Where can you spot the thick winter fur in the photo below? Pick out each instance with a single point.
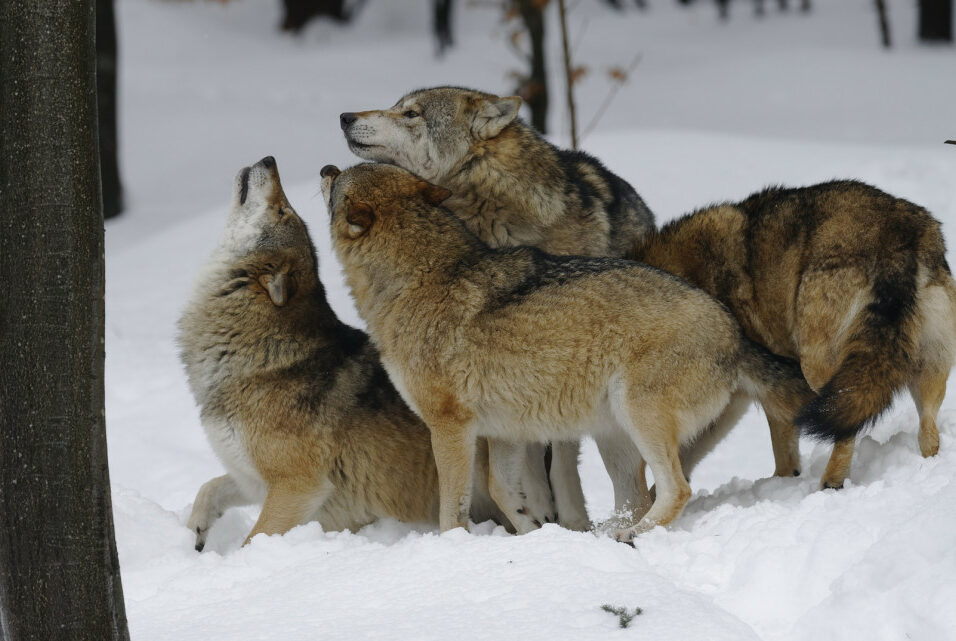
(296, 404)
(511, 188)
(851, 281)
(509, 185)
(521, 346)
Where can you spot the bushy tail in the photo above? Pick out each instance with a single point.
(878, 361)
(775, 381)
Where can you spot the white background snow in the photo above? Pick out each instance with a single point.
(713, 112)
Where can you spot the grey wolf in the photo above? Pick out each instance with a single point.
(849, 280)
(521, 346)
(295, 403)
(511, 188)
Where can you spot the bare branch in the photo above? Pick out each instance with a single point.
(618, 83)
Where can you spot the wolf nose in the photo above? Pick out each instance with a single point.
(268, 162)
(347, 119)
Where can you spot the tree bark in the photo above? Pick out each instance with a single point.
(535, 89)
(936, 20)
(884, 24)
(59, 574)
(441, 25)
(106, 108)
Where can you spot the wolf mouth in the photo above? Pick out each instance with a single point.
(244, 185)
(361, 145)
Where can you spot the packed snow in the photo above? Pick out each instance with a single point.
(712, 112)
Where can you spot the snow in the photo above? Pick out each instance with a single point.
(712, 112)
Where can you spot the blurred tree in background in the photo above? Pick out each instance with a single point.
(936, 20)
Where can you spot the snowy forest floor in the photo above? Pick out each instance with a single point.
(712, 112)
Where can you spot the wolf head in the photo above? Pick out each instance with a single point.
(266, 245)
(430, 131)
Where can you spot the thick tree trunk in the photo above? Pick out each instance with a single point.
(59, 575)
(535, 89)
(106, 108)
(936, 20)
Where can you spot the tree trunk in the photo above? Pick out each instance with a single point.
(106, 108)
(936, 20)
(59, 575)
(568, 74)
(441, 11)
(884, 24)
(535, 89)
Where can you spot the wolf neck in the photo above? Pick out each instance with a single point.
(497, 192)
(439, 255)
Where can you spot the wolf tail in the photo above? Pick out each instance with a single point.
(878, 360)
(775, 381)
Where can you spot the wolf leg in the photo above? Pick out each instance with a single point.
(566, 483)
(625, 466)
(506, 461)
(785, 440)
(656, 434)
(288, 505)
(454, 449)
(214, 497)
(928, 391)
(534, 484)
(838, 467)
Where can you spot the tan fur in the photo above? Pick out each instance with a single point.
(295, 404)
(844, 278)
(511, 188)
(520, 346)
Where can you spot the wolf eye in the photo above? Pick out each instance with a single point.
(411, 114)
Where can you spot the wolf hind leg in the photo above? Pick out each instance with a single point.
(625, 466)
(213, 499)
(566, 483)
(656, 435)
(928, 390)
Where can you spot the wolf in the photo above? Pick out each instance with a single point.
(847, 279)
(511, 188)
(521, 346)
(295, 403)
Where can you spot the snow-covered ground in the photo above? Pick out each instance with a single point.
(713, 111)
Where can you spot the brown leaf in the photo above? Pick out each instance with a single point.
(617, 74)
(516, 37)
(539, 4)
(577, 73)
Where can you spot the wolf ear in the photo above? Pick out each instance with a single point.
(277, 286)
(360, 217)
(494, 115)
(433, 194)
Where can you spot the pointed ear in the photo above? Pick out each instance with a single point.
(360, 217)
(277, 286)
(494, 115)
(433, 194)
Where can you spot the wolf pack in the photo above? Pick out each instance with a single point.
(519, 297)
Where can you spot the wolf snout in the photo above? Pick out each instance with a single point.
(347, 119)
(329, 171)
(268, 162)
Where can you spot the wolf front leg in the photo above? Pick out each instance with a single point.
(454, 447)
(506, 460)
(289, 503)
(214, 497)
(566, 483)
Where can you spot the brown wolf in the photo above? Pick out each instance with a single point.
(850, 280)
(521, 346)
(511, 188)
(295, 403)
